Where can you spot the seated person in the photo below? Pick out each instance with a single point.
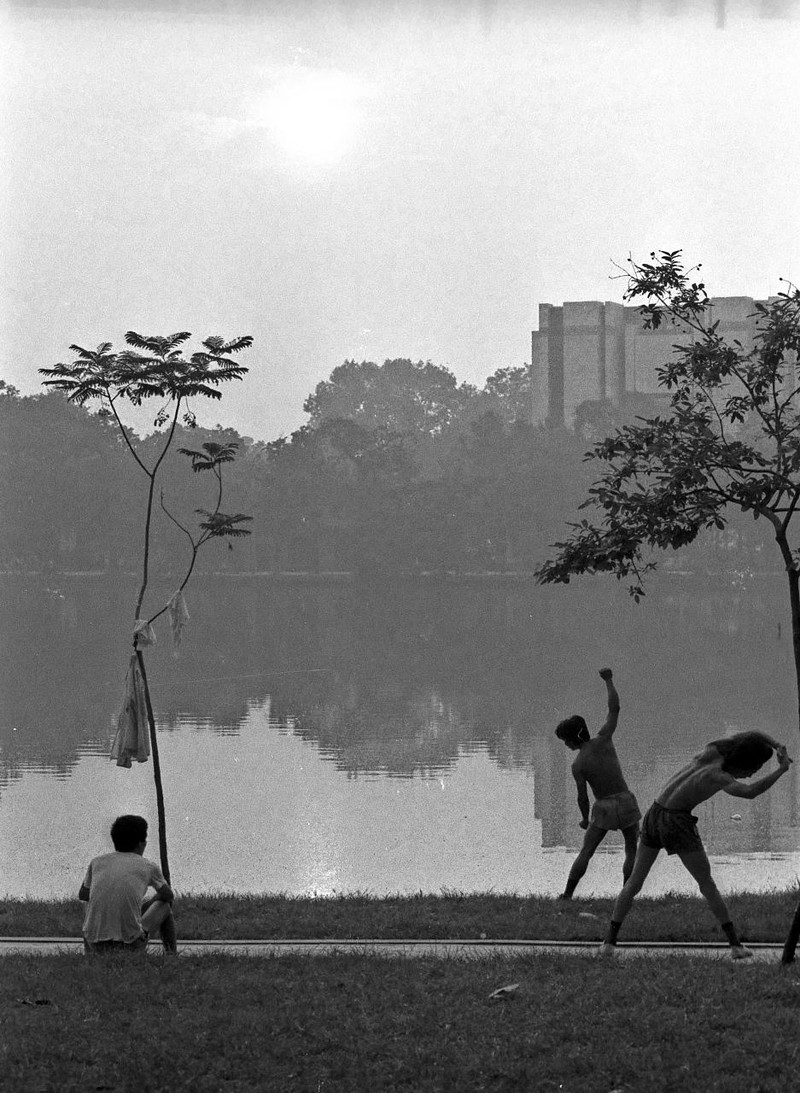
(114, 888)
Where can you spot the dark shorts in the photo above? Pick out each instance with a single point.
(616, 812)
(670, 829)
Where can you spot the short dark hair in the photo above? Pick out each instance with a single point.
(744, 752)
(127, 832)
(572, 730)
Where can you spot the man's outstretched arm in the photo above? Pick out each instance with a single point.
(613, 703)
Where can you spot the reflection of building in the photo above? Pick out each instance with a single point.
(587, 351)
(728, 825)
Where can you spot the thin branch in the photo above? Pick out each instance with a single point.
(168, 441)
(123, 430)
(765, 420)
(196, 545)
(148, 516)
(176, 522)
(790, 511)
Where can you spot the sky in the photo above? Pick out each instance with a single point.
(360, 179)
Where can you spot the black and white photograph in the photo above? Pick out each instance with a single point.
(399, 546)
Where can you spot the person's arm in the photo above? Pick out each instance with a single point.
(755, 789)
(83, 891)
(165, 893)
(613, 704)
(583, 798)
(158, 882)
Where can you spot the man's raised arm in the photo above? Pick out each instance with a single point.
(613, 703)
(754, 789)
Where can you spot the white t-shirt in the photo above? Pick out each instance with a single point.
(117, 883)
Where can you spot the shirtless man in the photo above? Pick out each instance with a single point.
(669, 824)
(597, 765)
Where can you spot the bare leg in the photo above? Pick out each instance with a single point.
(643, 863)
(698, 865)
(158, 918)
(591, 840)
(631, 837)
(645, 859)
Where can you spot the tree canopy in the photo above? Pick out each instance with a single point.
(729, 438)
(400, 396)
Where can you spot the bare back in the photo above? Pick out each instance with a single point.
(598, 763)
(696, 782)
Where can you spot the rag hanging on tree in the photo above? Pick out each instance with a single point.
(178, 617)
(157, 370)
(131, 741)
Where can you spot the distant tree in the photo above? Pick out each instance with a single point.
(156, 368)
(506, 488)
(338, 497)
(596, 418)
(729, 441)
(511, 387)
(400, 396)
(64, 485)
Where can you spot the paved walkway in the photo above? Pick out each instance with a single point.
(460, 949)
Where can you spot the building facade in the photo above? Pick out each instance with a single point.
(590, 351)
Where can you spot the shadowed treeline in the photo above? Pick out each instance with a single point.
(400, 470)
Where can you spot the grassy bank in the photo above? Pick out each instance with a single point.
(760, 917)
(346, 1023)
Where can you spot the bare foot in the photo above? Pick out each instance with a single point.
(740, 952)
(607, 949)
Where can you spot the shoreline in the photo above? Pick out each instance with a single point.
(449, 917)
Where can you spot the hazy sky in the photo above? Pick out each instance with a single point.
(371, 179)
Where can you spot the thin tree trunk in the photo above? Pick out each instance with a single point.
(162, 823)
(794, 599)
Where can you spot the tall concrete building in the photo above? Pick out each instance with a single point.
(587, 350)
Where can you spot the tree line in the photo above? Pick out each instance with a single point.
(400, 469)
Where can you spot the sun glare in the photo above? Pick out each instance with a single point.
(312, 115)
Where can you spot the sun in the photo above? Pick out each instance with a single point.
(312, 115)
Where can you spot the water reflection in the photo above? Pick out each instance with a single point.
(408, 721)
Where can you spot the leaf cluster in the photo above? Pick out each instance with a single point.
(731, 436)
(211, 455)
(154, 367)
(219, 525)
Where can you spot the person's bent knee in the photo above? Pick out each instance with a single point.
(157, 913)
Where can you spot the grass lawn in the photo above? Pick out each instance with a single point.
(758, 916)
(351, 1023)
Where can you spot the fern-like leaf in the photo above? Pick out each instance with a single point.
(157, 343)
(220, 525)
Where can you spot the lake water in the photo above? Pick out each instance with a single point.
(321, 738)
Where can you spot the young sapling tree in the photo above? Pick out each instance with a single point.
(156, 367)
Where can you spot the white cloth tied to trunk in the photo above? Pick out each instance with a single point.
(132, 740)
(178, 617)
(143, 634)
